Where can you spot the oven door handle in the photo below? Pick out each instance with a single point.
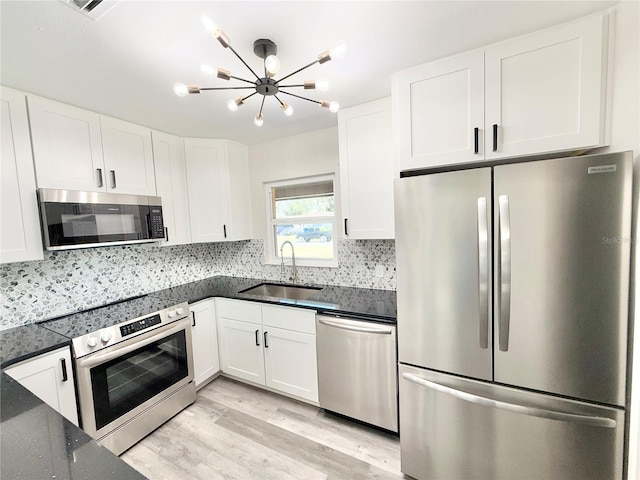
(92, 360)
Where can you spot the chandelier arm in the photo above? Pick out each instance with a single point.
(249, 96)
(226, 88)
(290, 86)
(245, 63)
(243, 80)
(299, 96)
(299, 70)
(262, 105)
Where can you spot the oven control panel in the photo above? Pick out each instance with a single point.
(134, 327)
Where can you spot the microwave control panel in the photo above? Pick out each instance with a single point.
(156, 223)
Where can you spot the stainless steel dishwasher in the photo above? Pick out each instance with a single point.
(357, 369)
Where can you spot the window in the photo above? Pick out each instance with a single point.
(302, 212)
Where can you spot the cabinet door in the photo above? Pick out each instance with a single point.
(128, 157)
(545, 91)
(205, 162)
(50, 378)
(438, 107)
(67, 146)
(205, 341)
(171, 186)
(241, 350)
(20, 238)
(239, 195)
(367, 170)
(290, 362)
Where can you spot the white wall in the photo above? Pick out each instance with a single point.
(313, 153)
(625, 135)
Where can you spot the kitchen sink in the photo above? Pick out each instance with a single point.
(293, 292)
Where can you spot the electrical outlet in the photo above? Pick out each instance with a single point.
(379, 271)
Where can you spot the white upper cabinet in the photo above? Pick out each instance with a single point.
(219, 199)
(540, 93)
(440, 111)
(75, 149)
(67, 146)
(545, 92)
(128, 157)
(171, 186)
(20, 238)
(367, 170)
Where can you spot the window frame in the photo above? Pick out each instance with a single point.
(271, 257)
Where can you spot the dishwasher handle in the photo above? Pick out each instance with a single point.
(353, 328)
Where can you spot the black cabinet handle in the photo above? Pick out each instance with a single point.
(100, 182)
(113, 178)
(346, 230)
(193, 321)
(266, 345)
(224, 230)
(495, 137)
(476, 147)
(166, 233)
(257, 341)
(63, 366)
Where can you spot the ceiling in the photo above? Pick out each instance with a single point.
(125, 64)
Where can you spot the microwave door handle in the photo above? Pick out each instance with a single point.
(141, 341)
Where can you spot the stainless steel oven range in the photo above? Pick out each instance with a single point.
(134, 367)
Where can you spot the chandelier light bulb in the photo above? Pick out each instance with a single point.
(209, 24)
(258, 120)
(322, 85)
(334, 107)
(233, 105)
(338, 52)
(287, 109)
(180, 89)
(272, 64)
(208, 69)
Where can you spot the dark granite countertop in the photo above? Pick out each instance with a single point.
(377, 305)
(21, 343)
(36, 442)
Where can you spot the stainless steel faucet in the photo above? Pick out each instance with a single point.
(294, 269)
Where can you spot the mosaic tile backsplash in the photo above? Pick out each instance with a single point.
(74, 280)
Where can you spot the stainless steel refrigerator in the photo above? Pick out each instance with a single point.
(513, 307)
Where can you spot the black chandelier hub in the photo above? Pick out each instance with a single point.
(267, 86)
(264, 47)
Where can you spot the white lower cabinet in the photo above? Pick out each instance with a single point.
(241, 350)
(269, 345)
(204, 336)
(50, 378)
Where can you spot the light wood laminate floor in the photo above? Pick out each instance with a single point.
(236, 431)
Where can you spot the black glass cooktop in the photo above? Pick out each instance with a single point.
(82, 323)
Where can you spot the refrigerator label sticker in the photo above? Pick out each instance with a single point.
(602, 169)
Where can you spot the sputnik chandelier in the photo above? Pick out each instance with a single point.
(266, 85)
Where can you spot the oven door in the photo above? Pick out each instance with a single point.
(120, 382)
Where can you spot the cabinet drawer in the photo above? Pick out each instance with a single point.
(239, 310)
(295, 319)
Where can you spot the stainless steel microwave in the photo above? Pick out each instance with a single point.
(74, 219)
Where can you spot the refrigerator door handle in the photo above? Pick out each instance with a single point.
(483, 272)
(513, 407)
(504, 241)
